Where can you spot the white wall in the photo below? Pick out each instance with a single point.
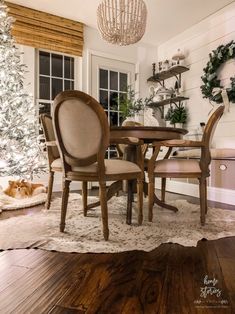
(197, 42)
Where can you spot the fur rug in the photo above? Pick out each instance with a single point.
(84, 234)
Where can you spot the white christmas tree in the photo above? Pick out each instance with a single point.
(21, 153)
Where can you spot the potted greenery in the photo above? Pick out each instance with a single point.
(179, 116)
(168, 116)
(130, 106)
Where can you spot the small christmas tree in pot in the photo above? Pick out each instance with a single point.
(168, 116)
(21, 153)
(179, 116)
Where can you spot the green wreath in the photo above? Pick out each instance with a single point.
(219, 56)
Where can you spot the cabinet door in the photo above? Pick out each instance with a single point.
(223, 173)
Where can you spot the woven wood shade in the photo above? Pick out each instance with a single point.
(43, 30)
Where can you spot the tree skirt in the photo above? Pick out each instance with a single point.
(84, 234)
(10, 203)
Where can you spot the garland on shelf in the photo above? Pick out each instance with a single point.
(212, 88)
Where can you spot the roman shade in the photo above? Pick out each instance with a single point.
(43, 30)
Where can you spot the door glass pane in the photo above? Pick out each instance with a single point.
(57, 87)
(57, 65)
(44, 63)
(113, 80)
(113, 152)
(44, 87)
(104, 98)
(123, 82)
(103, 78)
(113, 101)
(113, 118)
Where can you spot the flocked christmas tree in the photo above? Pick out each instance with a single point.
(21, 153)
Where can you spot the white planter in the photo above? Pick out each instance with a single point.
(179, 125)
(168, 124)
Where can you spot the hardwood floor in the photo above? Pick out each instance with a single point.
(171, 279)
(167, 280)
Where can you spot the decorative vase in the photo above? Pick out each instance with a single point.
(139, 117)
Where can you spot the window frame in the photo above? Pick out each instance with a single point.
(77, 75)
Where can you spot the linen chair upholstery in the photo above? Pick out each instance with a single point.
(83, 135)
(178, 168)
(53, 155)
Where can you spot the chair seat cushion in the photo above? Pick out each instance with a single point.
(112, 167)
(56, 163)
(177, 166)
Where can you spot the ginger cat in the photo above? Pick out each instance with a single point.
(21, 189)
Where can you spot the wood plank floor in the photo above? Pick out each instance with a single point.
(172, 279)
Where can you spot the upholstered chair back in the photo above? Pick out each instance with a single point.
(81, 128)
(47, 125)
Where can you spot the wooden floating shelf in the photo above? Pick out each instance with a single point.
(173, 71)
(167, 101)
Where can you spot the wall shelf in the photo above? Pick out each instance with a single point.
(167, 101)
(172, 72)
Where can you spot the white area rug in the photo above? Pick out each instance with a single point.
(84, 234)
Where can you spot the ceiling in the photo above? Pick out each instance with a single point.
(166, 18)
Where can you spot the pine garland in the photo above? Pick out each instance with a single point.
(219, 56)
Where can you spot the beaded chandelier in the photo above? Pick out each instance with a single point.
(122, 22)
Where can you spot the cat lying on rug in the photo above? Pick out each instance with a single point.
(22, 189)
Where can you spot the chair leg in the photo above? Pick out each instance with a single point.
(163, 189)
(206, 198)
(84, 197)
(140, 200)
(65, 196)
(104, 209)
(151, 187)
(202, 187)
(50, 187)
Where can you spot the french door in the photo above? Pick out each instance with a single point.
(109, 81)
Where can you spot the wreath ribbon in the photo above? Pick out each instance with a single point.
(224, 94)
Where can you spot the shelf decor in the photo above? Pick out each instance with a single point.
(179, 115)
(178, 56)
(212, 88)
(122, 22)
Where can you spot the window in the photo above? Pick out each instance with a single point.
(56, 74)
(112, 86)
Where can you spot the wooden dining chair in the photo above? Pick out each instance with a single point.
(190, 168)
(53, 155)
(83, 135)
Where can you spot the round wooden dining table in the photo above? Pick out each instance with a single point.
(148, 134)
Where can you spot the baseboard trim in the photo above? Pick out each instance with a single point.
(213, 194)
